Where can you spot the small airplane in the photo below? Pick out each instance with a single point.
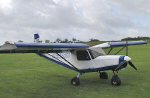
(78, 57)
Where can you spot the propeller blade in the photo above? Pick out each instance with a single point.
(131, 64)
(123, 62)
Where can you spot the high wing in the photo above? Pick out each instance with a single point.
(99, 48)
(118, 44)
(21, 47)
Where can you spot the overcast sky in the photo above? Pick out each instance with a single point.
(80, 19)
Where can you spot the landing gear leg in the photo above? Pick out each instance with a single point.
(115, 81)
(103, 75)
(75, 81)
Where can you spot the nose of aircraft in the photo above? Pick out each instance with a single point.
(126, 58)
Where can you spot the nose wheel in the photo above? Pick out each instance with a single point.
(115, 80)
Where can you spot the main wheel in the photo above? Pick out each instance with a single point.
(103, 75)
(75, 81)
(115, 80)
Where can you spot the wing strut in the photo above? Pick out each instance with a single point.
(120, 50)
(109, 51)
(68, 62)
(126, 47)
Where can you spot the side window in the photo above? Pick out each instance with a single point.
(82, 55)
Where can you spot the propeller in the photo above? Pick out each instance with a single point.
(131, 64)
(123, 62)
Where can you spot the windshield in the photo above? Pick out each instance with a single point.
(95, 54)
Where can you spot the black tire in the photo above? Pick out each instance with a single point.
(75, 81)
(115, 80)
(103, 75)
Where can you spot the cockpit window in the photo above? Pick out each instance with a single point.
(82, 55)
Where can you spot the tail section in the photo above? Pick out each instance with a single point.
(37, 38)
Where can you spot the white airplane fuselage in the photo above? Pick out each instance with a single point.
(100, 63)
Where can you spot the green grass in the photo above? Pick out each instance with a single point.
(30, 76)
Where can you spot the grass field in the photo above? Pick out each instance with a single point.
(30, 76)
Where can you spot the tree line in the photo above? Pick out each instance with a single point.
(74, 40)
(136, 38)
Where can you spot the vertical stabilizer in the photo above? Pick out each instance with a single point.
(37, 38)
